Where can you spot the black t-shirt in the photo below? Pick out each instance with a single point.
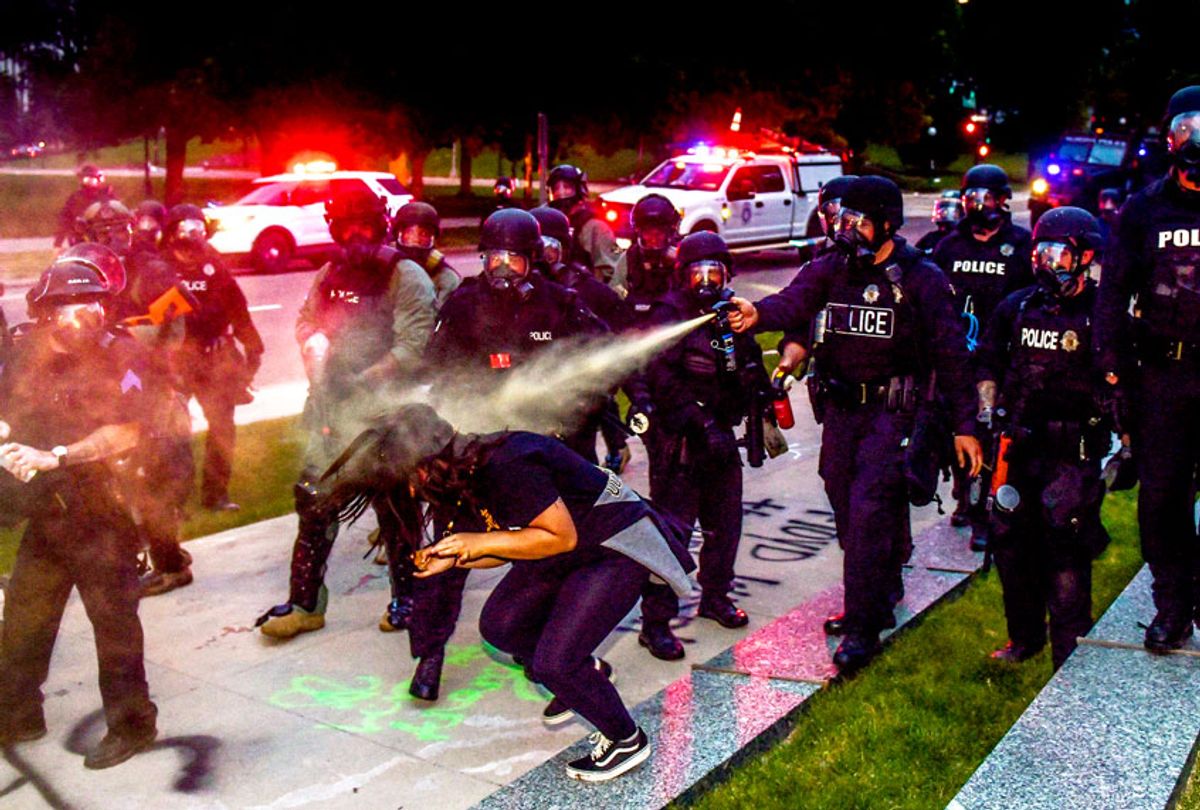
(528, 472)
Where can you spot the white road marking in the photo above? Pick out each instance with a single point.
(265, 307)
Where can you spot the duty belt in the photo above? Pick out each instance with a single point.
(854, 395)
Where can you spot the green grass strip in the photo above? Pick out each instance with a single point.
(911, 729)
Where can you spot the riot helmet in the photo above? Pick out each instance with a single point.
(68, 298)
(829, 201)
(357, 221)
(568, 187)
(100, 258)
(948, 210)
(655, 220)
(556, 235)
(417, 226)
(872, 210)
(703, 267)
(509, 241)
(90, 177)
(1065, 241)
(108, 222)
(1182, 127)
(503, 188)
(1109, 203)
(985, 195)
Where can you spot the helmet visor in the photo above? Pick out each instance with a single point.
(1184, 130)
(653, 237)
(505, 264)
(948, 211)
(1054, 257)
(562, 189)
(193, 230)
(551, 250)
(850, 220)
(91, 180)
(147, 224)
(81, 317)
(416, 236)
(980, 199)
(706, 273)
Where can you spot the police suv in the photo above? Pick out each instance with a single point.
(284, 216)
(754, 200)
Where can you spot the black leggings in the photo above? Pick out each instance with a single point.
(555, 618)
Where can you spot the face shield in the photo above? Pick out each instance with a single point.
(507, 271)
(116, 235)
(77, 324)
(194, 231)
(947, 212)
(147, 224)
(1058, 268)
(854, 235)
(705, 280)
(1183, 145)
(829, 215)
(417, 236)
(983, 208)
(551, 251)
(91, 181)
(654, 239)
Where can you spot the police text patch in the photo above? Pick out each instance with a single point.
(852, 319)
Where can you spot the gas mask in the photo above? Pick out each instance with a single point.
(829, 215)
(564, 196)
(855, 237)
(984, 209)
(189, 237)
(77, 325)
(146, 231)
(119, 237)
(1183, 144)
(358, 238)
(1059, 268)
(705, 281)
(508, 272)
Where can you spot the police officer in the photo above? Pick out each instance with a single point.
(148, 220)
(147, 302)
(210, 364)
(593, 244)
(1108, 203)
(986, 257)
(92, 189)
(108, 223)
(947, 213)
(649, 263)
(493, 322)
(829, 204)
(73, 400)
(884, 326)
(1153, 258)
(415, 231)
(603, 301)
(361, 331)
(1036, 369)
(700, 391)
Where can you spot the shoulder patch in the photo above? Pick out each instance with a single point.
(130, 381)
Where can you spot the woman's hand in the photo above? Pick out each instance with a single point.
(432, 566)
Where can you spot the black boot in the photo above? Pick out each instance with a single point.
(428, 677)
(660, 641)
(855, 652)
(1167, 633)
(835, 625)
(721, 609)
(979, 538)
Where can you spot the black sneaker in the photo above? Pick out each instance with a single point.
(556, 712)
(609, 760)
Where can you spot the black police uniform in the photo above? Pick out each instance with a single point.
(210, 365)
(80, 533)
(876, 331)
(368, 310)
(647, 280)
(491, 331)
(149, 304)
(695, 468)
(1038, 350)
(931, 239)
(1154, 256)
(982, 275)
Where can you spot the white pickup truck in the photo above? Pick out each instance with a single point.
(755, 201)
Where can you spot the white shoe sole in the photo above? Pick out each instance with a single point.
(569, 714)
(604, 776)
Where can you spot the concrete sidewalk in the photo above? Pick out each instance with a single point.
(325, 719)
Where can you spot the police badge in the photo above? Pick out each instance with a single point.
(1070, 341)
(1006, 249)
(209, 270)
(871, 294)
